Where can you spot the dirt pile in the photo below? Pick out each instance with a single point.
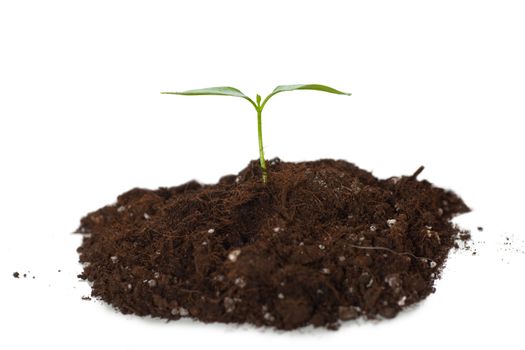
(321, 242)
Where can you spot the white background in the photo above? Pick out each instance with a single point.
(439, 83)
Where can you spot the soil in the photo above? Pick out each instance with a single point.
(322, 242)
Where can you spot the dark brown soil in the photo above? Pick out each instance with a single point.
(322, 242)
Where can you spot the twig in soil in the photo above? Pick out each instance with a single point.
(418, 171)
(389, 250)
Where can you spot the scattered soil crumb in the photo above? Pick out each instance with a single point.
(465, 236)
(512, 244)
(348, 246)
(86, 297)
(16, 275)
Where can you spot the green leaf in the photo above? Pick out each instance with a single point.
(218, 90)
(317, 87)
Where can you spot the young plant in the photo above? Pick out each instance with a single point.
(230, 91)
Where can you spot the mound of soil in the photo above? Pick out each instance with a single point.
(321, 242)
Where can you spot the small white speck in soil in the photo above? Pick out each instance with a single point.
(219, 278)
(234, 254)
(240, 282)
(391, 222)
(268, 317)
(229, 304)
(183, 311)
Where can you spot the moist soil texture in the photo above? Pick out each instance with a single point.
(322, 242)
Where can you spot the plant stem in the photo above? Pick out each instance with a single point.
(261, 148)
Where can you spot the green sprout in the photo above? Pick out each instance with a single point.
(230, 91)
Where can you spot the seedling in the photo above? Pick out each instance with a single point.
(230, 91)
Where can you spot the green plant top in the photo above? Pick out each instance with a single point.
(258, 105)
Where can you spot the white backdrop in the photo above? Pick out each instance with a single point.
(81, 120)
